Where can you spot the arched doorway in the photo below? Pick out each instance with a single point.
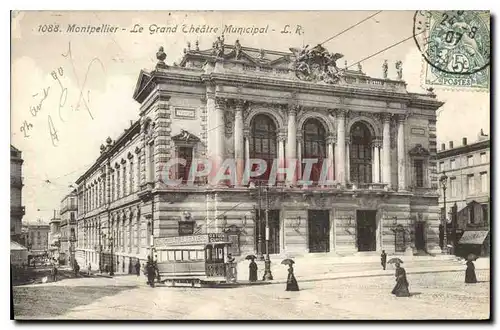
(263, 143)
(314, 146)
(360, 154)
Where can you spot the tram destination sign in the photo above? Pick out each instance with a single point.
(190, 239)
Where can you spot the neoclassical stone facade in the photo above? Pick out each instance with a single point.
(378, 142)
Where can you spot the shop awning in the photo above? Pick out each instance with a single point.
(473, 237)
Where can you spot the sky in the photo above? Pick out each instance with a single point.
(101, 71)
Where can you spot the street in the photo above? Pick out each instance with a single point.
(441, 295)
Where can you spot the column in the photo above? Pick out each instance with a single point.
(238, 141)
(291, 155)
(376, 161)
(386, 150)
(348, 159)
(299, 157)
(401, 154)
(246, 134)
(373, 161)
(330, 142)
(340, 162)
(219, 132)
(281, 156)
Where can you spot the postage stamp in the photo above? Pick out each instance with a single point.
(455, 46)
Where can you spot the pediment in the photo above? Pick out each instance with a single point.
(419, 151)
(142, 81)
(186, 137)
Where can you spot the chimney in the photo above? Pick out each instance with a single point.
(451, 144)
(464, 141)
(443, 146)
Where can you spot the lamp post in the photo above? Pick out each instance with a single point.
(443, 180)
(259, 229)
(268, 276)
(111, 272)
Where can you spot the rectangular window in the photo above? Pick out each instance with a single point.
(200, 255)
(418, 165)
(470, 184)
(151, 163)
(113, 186)
(124, 183)
(185, 255)
(453, 187)
(453, 164)
(118, 183)
(178, 255)
(470, 160)
(139, 159)
(484, 182)
(441, 166)
(72, 216)
(472, 218)
(484, 160)
(131, 177)
(170, 255)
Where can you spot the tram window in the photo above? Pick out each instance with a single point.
(171, 255)
(200, 255)
(185, 255)
(208, 254)
(178, 255)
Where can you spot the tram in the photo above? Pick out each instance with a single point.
(195, 260)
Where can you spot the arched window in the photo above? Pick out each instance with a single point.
(314, 146)
(360, 154)
(263, 142)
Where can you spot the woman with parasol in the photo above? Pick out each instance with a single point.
(252, 274)
(470, 273)
(291, 282)
(401, 288)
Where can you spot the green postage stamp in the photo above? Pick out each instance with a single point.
(456, 48)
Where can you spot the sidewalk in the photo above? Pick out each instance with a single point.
(326, 271)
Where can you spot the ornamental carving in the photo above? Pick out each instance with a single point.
(228, 123)
(317, 65)
(419, 151)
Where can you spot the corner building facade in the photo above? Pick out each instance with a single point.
(234, 102)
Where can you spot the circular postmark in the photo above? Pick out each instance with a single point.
(453, 42)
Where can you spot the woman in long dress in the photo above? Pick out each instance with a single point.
(470, 273)
(291, 282)
(401, 288)
(252, 271)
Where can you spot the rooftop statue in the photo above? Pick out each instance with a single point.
(317, 64)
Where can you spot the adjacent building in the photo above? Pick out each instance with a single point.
(17, 210)
(467, 169)
(38, 238)
(376, 139)
(55, 236)
(68, 227)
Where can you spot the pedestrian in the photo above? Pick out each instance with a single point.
(252, 274)
(150, 272)
(470, 272)
(401, 288)
(291, 282)
(77, 269)
(54, 273)
(383, 259)
(89, 269)
(138, 267)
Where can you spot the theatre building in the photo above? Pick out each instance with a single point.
(232, 102)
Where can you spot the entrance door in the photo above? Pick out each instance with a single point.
(274, 231)
(420, 236)
(319, 230)
(366, 230)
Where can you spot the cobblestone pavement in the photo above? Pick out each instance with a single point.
(435, 296)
